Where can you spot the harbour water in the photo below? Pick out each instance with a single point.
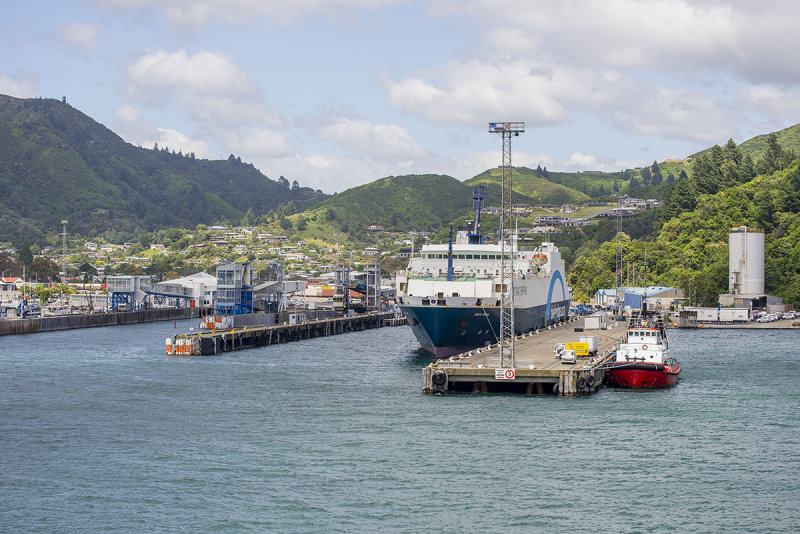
(100, 431)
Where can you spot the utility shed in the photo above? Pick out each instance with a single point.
(596, 321)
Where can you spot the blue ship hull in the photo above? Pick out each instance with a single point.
(444, 331)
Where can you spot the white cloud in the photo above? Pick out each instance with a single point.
(662, 68)
(82, 34)
(19, 87)
(375, 141)
(133, 127)
(582, 161)
(258, 142)
(322, 171)
(680, 114)
(178, 141)
(670, 36)
(477, 91)
(209, 87)
(771, 100)
(196, 13)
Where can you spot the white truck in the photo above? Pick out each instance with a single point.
(592, 342)
(566, 355)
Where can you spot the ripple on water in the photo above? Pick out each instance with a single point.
(103, 432)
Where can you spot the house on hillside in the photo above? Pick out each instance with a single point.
(569, 208)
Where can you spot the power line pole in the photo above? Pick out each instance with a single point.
(64, 246)
(506, 130)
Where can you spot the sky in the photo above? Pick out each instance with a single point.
(339, 93)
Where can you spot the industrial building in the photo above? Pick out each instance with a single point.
(657, 297)
(199, 288)
(746, 272)
(234, 288)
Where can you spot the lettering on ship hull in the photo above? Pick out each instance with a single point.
(558, 311)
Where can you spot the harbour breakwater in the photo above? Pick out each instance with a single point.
(69, 322)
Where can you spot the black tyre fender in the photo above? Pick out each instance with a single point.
(439, 378)
(581, 383)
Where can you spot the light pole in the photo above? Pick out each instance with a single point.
(507, 130)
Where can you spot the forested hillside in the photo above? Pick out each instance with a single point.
(691, 248)
(57, 163)
(399, 203)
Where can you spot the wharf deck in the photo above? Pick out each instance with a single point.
(536, 370)
(230, 339)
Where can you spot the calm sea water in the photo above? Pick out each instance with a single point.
(101, 432)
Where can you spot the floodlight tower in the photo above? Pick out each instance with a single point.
(64, 247)
(507, 130)
(64, 236)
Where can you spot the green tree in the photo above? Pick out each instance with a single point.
(25, 255)
(646, 176)
(46, 270)
(793, 292)
(249, 218)
(772, 157)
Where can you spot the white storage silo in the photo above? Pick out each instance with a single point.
(746, 261)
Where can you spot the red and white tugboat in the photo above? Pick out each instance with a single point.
(642, 360)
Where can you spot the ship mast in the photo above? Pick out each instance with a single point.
(507, 130)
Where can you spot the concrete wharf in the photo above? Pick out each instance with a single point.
(33, 325)
(230, 339)
(537, 370)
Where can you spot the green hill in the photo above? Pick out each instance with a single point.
(401, 203)
(789, 138)
(691, 249)
(529, 188)
(427, 202)
(57, 163)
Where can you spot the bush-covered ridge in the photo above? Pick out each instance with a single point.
(57, 163)
(691, 249)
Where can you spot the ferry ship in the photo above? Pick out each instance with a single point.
(451, 293)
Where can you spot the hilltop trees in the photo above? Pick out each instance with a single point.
(657, 178)
(775, 157)
(646, 176)
(718, 169)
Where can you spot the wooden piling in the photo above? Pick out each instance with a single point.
(207, 343)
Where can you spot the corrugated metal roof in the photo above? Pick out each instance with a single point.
(651, 290)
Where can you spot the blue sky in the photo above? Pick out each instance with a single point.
(338, 93)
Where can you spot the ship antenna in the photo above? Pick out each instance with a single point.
(450, 255)
(477, 195)
(644, 297)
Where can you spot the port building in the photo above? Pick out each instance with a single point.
(746, 271)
